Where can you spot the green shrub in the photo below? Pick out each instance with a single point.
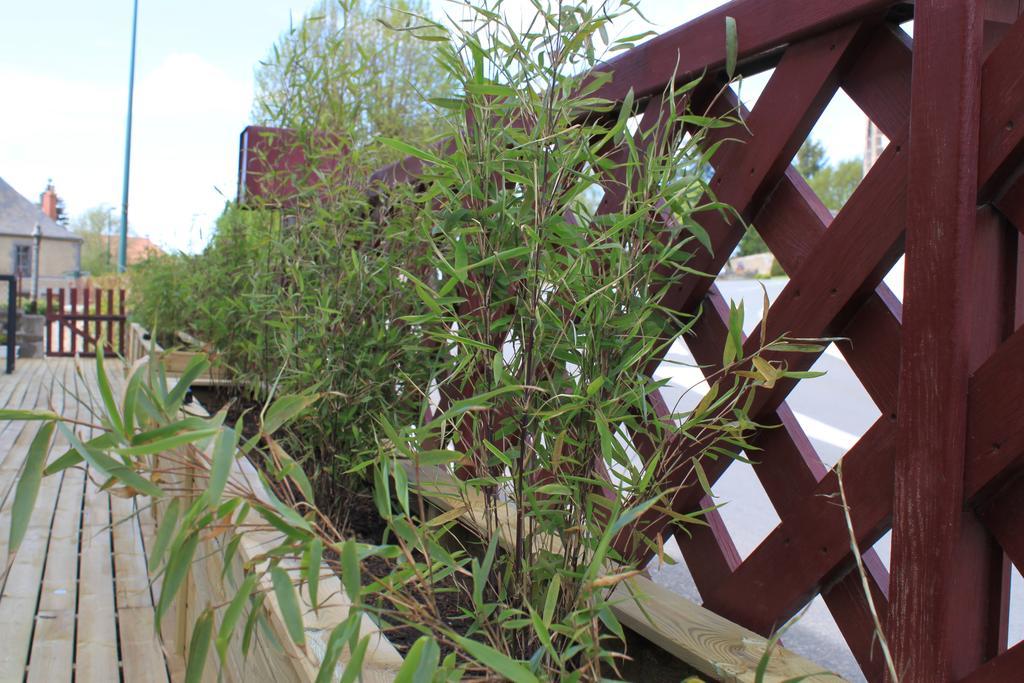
(163, 291)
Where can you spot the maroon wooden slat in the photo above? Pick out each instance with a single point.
(879, 83)
(797, 93)
(1002, 116)
(49, 321)
(98, 332)
(934, 575)
(84, 322)
(1011, 203)
(697, 554)
(60, 323)
(74, 309)
(762, 25)
(993, 312)
(124, 322)
(1005, 667)
(110, 327)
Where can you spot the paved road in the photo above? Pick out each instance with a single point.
(834, 410)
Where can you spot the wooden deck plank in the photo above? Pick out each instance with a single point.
(53, 641)
(52, 651)
(141, 653)
(96, 660)
(96, 644)
(21, 588)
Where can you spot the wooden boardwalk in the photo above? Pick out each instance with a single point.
(77, 603)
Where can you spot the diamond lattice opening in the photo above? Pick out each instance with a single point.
(815, 635)
(834, 410)
(1015, 630)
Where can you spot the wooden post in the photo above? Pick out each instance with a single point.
(124, 320)
(84, 321)
(938, 609)
(49, 321)
(60, 321)
(98, 339)
(110, 324)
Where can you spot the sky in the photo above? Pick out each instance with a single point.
(64, 76)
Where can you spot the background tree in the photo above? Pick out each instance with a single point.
(94, 226)
(835, 183)
(343, 69)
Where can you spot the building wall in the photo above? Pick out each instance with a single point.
(57, 258)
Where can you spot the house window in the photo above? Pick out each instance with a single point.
(23, 260)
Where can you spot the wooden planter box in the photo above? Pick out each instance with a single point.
(210, 582)
(140, 345)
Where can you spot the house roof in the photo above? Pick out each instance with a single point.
(18, 216)
(138, 249)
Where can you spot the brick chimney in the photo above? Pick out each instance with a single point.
(48, 201)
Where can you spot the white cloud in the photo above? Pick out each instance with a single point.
(188, 114)
(188, 85)
(70, 131)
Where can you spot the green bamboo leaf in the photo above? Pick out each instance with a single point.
(354, 666)
(104, 441)
(551, 599)
(411, 151)
(314, 556)
(402, 487)
(420, 662)
(28, 485)
(288, 600)
(177, 568)
(28, 415)
(168, 444)
(113, 413)
(491, 89)
(447, 103)
(350, 574)
(222, 458)
(110, 467)
(131, 394)
(285, 409)
(199, 647)
(232, 614)
(430, 458)
(731, 46)
(340, 635)
(168, 523)
(810, 374)
(197, 365)
(250, 622)
(497, 661)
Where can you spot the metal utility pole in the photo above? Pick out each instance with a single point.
(122, 251)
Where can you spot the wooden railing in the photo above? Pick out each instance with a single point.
(938, 467)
